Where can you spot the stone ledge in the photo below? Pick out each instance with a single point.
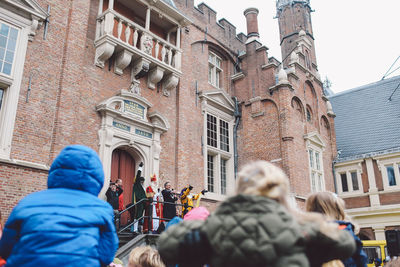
(25, 164)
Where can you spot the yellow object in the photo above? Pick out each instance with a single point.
(375, 249)
(187, 201)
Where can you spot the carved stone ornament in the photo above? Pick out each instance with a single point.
(170, 82)
(156, 150)
(122, 60)
(103, 53)
(155, 76)
(147, 44)
(139, 69)
(135, 88)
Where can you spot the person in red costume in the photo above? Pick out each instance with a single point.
(154, 195)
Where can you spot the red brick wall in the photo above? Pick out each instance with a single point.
(364, 177)
(389, 198)
(378, 176)
(16, 183)
(357, 202)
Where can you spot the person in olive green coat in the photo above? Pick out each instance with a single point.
(138, 194)
(256, 228)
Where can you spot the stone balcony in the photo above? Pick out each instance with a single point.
(136, 46)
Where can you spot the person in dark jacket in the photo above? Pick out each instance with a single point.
(113, 196)
(257, 227)
(332, 207)
(67, 224)
(138, 194)
(169, 210)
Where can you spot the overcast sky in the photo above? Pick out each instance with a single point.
(356, 40)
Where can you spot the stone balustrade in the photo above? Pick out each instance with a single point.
(131, 43)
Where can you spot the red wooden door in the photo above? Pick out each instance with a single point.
(123, 167)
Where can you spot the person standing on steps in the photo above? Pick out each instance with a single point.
(138, 194)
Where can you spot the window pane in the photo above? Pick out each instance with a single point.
(7, 68)
(11, 44)
(8, 38)
(4, 29)
(223, 176)
(354, 180)
(311, 154)
(210, 71)
(211, 58)
(390, 174)
(13, 34)
(317, 160)
(313, 183)
(345, 187)
(1, 97)
(308, 115)
(3, 41)
(210, 173)
(218, 62)
(217, 77)
(320, 184)
(211, 130)
(224, 135)
(9, 57)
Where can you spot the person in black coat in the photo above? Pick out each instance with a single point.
(112, 196)
(169, 210)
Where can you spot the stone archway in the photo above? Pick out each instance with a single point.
(126, 123)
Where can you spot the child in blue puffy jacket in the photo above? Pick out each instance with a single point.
(67, 224)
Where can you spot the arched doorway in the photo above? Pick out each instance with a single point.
(123, 167)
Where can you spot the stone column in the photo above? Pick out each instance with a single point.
(178, 38)
(148, 19)
(100, 7)
(373, 190)
(379, 232)
(110, 4)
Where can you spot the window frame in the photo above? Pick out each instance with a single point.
(315, 144)
(11, 84)
(213, 69)
(383, 163)
(347, 169)
(218, 103)
(217, 152)
(11, 26)
(316, 174)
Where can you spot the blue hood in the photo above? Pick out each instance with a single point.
(77, 167)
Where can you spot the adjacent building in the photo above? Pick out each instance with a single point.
(367, 169)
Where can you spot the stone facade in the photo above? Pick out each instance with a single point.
(172, 86)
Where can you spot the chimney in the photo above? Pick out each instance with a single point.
(252, 23)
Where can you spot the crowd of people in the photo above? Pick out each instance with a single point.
(68, 225)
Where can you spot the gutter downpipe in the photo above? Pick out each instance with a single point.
(237, 115)
(334, 175)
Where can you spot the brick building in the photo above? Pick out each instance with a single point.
(367, 169)
(164, 83)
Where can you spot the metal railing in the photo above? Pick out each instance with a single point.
(149, 206)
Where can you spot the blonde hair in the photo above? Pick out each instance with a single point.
(328, 204)
(145, 257)
(262, 178)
